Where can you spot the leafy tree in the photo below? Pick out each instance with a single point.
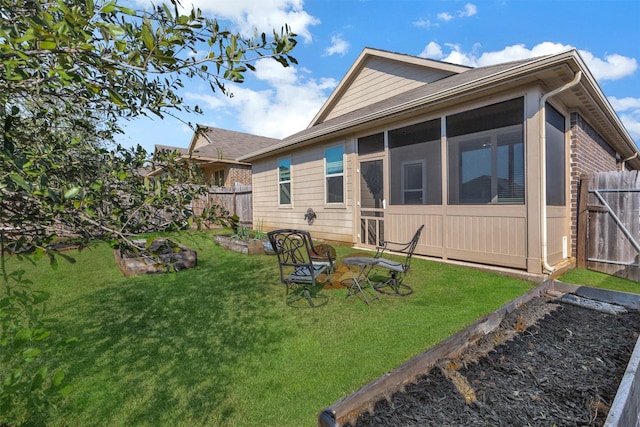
(70, 71)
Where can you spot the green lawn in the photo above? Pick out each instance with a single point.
(216, 345)
(595, 279)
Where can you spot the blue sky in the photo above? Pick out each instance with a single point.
(278, 102)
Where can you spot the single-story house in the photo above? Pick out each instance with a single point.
(217, 152)
(487, 158)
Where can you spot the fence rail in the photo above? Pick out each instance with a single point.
(609, 223)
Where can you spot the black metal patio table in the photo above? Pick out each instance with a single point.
(360, 268)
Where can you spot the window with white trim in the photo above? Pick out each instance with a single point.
(334, 174)
(284, 182)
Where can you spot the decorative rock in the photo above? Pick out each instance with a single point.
(170, 258)
(268, 249)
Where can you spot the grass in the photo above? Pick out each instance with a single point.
(216, 345)
(581, 276)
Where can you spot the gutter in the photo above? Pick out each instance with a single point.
(542, 121)
(477, 84)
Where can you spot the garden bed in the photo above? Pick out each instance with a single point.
(243, 246)
(171, 256)
(537, 361)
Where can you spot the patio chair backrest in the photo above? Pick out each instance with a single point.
(294, 249)
(404, 248)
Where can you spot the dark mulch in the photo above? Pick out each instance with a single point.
(561, 370)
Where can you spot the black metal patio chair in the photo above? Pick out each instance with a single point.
(303, 278)
(394, 285)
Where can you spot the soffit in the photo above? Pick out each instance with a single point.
(548, 72)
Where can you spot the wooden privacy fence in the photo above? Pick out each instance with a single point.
(609, 223)
(236, 199)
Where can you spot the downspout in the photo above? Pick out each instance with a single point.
(543, 167)
(627, 159)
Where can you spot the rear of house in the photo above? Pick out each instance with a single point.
(488, 159)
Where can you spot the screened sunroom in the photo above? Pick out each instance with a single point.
(486, 159)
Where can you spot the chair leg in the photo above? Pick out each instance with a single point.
(304, 297)
(398, 289)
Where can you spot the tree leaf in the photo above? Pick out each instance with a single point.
(19, 180)
(147, 36)
(47, 44)
(71, 193)
(115, 97)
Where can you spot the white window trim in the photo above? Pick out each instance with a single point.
(342, 174)
(290, 181)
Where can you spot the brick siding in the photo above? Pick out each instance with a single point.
(240, 174)
(589, 153)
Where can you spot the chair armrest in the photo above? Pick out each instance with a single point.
(402, 247)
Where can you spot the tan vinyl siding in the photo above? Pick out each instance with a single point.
(557, 228)
(307, 190)
(402, 225)
(381, 79)
(487, 234)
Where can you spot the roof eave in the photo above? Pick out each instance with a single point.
(456, 91)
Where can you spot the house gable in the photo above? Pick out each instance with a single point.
(377, 75)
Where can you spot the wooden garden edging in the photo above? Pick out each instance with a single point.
(350, 407)
(625, 406)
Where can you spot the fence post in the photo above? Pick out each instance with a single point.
(582, 233)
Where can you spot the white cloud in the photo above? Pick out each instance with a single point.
(470, 9)
(624, 104)
(629, 111)
(467, 11)
(425, 23)
(432, 50)
(611, 67)
(445, 16)
(263, 15)
(339, 46)
(285, 107)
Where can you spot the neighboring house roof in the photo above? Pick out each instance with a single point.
(209, 143)
(159, 148)
(550, 71)
(215, 145)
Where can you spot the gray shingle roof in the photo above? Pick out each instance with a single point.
(230, 145)
(423, 91)
(159, 147)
